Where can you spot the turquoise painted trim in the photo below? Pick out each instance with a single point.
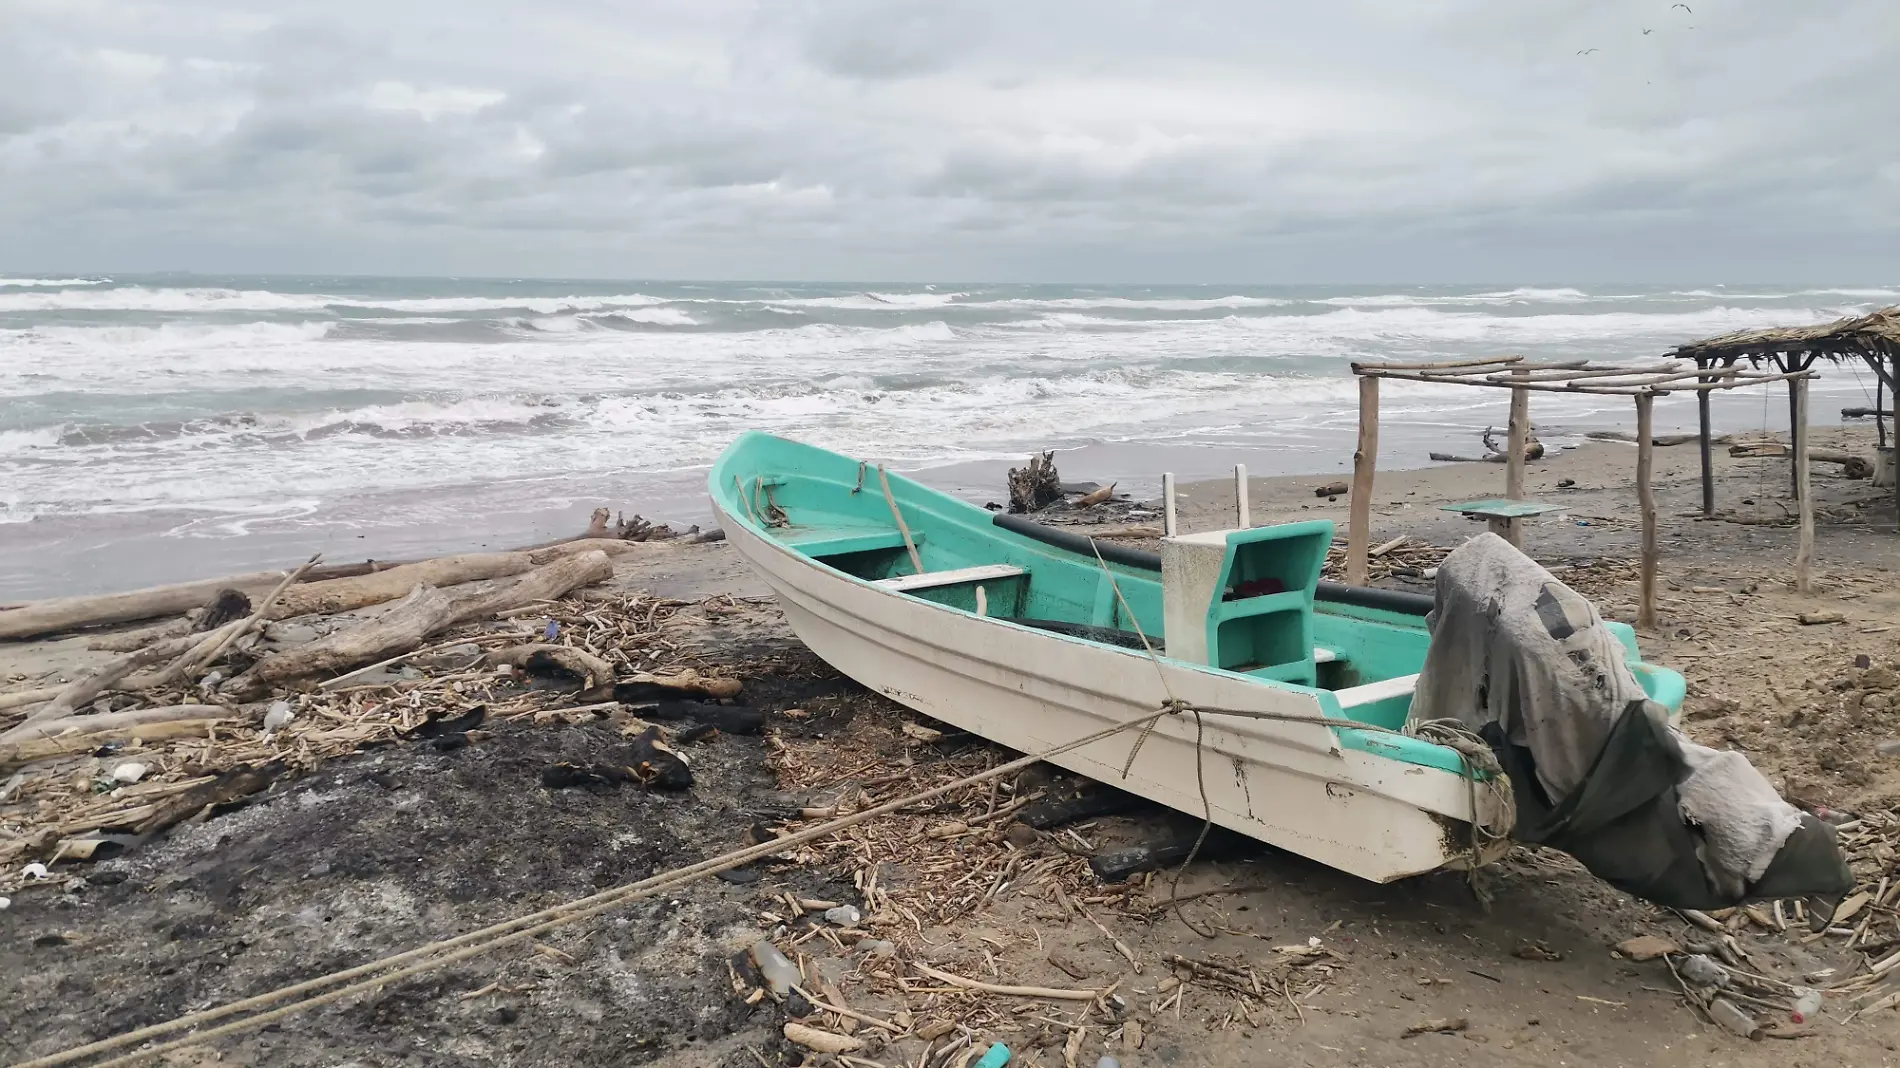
(819, 541)
(1301, 555)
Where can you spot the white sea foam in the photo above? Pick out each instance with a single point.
(159, 397)
(652, 316)
(28, 283)
(208, 299)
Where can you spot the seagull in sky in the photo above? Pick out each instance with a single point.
(1685, 7)
(1586, 51)
(1646, 33)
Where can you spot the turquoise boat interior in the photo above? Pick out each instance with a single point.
(1266, 615)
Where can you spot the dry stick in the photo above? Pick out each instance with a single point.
(903, 528)
(193, 660)
(1571, 374)
(852, 1014)
(1390, 545)
(546, 919)
(1441, 366)
(86, 687)
(331, 684)
(1053, 993)
(28, 697)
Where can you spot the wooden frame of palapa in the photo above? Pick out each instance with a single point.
(1644, 384)
(1873, 338)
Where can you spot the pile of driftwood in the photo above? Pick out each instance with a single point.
(1495, 453)
(1402, 557)
(241, 680)
(1038, 486)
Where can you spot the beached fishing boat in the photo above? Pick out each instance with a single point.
(1033, 637)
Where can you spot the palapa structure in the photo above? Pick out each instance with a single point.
(1873, 338)
(1644, 384)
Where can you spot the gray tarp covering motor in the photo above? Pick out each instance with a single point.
(1596, 768)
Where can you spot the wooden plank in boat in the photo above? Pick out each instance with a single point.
(930, 580)
(1354, 696)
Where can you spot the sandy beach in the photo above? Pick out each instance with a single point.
(365, 853)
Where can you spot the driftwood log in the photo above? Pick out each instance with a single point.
(127, 641)
(1852, 466)
(425, 611)
(71, 613)
(1036, 486)
(342, 595)
(59, 614)
(229, 787)
(689, 685)
(1657, 439)
(1533, 449)
(79, 734)
(81, 691)
(594, 675)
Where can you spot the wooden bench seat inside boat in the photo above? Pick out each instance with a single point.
(931, 580)
(1374, 692)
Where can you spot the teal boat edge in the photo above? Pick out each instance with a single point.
(832, 510)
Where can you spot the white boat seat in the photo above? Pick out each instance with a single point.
(1373, 692)
(931, 580)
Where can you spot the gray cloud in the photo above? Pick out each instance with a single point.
(1368, 139)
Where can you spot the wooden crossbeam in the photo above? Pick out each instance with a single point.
(1652, 385)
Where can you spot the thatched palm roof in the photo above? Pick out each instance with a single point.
(1867, 337)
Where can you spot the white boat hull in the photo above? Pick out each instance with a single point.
(1288, 784)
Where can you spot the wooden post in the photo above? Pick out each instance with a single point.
(1804, 548)
(1241, 505)
(1646, 497)
(1514, 463)
(1795, 429)
(1167, 504)
(1703, 436)
(1364, 459)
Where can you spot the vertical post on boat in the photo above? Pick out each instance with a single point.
(1167, 504)
(1804, 549)
(1703, 441)
(1514, 463)
(1646, 497)
(1365, 459)
(1241, 505)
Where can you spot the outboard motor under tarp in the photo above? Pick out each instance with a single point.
(1596, 768)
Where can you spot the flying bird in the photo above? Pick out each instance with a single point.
(1646, 33)
(1585, 51)
(1685, 7)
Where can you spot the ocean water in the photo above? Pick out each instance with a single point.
(197, 421)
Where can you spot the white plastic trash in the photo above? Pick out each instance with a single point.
(35, 870)
(844, 915)
(280, 713)
(129, 772)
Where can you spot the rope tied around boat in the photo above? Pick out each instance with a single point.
(1476, 762)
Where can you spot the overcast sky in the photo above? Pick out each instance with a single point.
(1033, 140)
